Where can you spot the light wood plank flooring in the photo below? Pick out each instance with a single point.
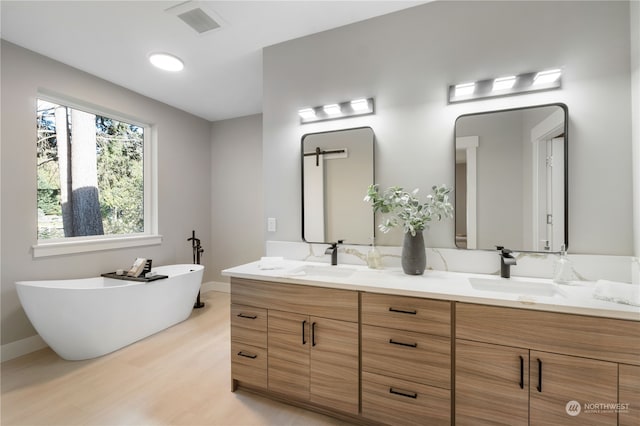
(180, 376)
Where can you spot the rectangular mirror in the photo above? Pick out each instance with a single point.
(511, 179)
(337, 168)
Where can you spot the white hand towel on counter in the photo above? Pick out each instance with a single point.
(272, 262)
(612, 291)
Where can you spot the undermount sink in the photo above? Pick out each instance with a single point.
(515, 286)
(322, 271)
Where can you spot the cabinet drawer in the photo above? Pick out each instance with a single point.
(589, 337)
(419, 357)
(400, 402)
(249, 325)
(407, 313)
(249, 364)
(309, 300)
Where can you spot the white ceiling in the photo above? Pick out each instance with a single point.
(223, 68)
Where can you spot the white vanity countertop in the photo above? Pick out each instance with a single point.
(518, 292)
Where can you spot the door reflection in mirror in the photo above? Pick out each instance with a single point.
(337, 168)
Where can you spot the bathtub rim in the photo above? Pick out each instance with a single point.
(99, 281)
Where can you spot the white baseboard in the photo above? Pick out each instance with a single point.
(21, 347)
(215, 286)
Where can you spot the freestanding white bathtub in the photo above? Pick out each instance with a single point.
(90, 317)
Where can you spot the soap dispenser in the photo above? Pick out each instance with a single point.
(374, 260)
(562, 271)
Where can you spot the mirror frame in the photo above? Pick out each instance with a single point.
(373, 169)
(565, 109)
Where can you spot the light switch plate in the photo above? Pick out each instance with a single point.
(271, 224)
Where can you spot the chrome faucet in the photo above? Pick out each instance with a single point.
(506, 261)
(333, 251)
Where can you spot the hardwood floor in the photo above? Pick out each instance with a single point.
(179, 376)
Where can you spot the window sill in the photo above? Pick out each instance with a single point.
(44, 249)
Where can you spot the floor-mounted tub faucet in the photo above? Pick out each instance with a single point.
(506, 261)
(333, 251)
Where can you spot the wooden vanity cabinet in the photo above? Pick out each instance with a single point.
(556, 380)
(398, 360)
(312, 342)
(516, 366)
(314, 359)
(492, 384)
(249, 345)
(406, 360)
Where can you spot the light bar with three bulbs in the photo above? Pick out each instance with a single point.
(506, 85)
(352, 108)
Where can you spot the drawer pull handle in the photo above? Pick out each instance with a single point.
(241, 315)
(401, 311)
(304, 340)
(413, 395)
(313, 334)
(411, 345)
(247, 355)
(521, 372)
(539, 387)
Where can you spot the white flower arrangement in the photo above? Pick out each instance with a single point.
(407, 209)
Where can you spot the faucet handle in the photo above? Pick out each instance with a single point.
(504, 251)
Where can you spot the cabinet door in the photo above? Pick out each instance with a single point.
(567, 390)
(334, 364)
(492, 384)
(288, 353)
(629, 395)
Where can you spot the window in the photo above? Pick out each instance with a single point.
(93, 173)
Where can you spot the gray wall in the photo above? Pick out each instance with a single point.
(407, 59)
(237, 227)
(184, 178)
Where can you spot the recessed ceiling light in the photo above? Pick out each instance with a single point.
(166, 61)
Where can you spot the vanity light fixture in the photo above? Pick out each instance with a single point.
(166, 61)
(503, 83)
(465, 89)
(332, 109)
(546, 77)
(307, 114)
(505, 86)
(360, 105)
(352, 108)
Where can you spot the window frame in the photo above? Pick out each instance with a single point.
(150, 236)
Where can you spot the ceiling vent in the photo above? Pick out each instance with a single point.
(199, 20)
(197, 16)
